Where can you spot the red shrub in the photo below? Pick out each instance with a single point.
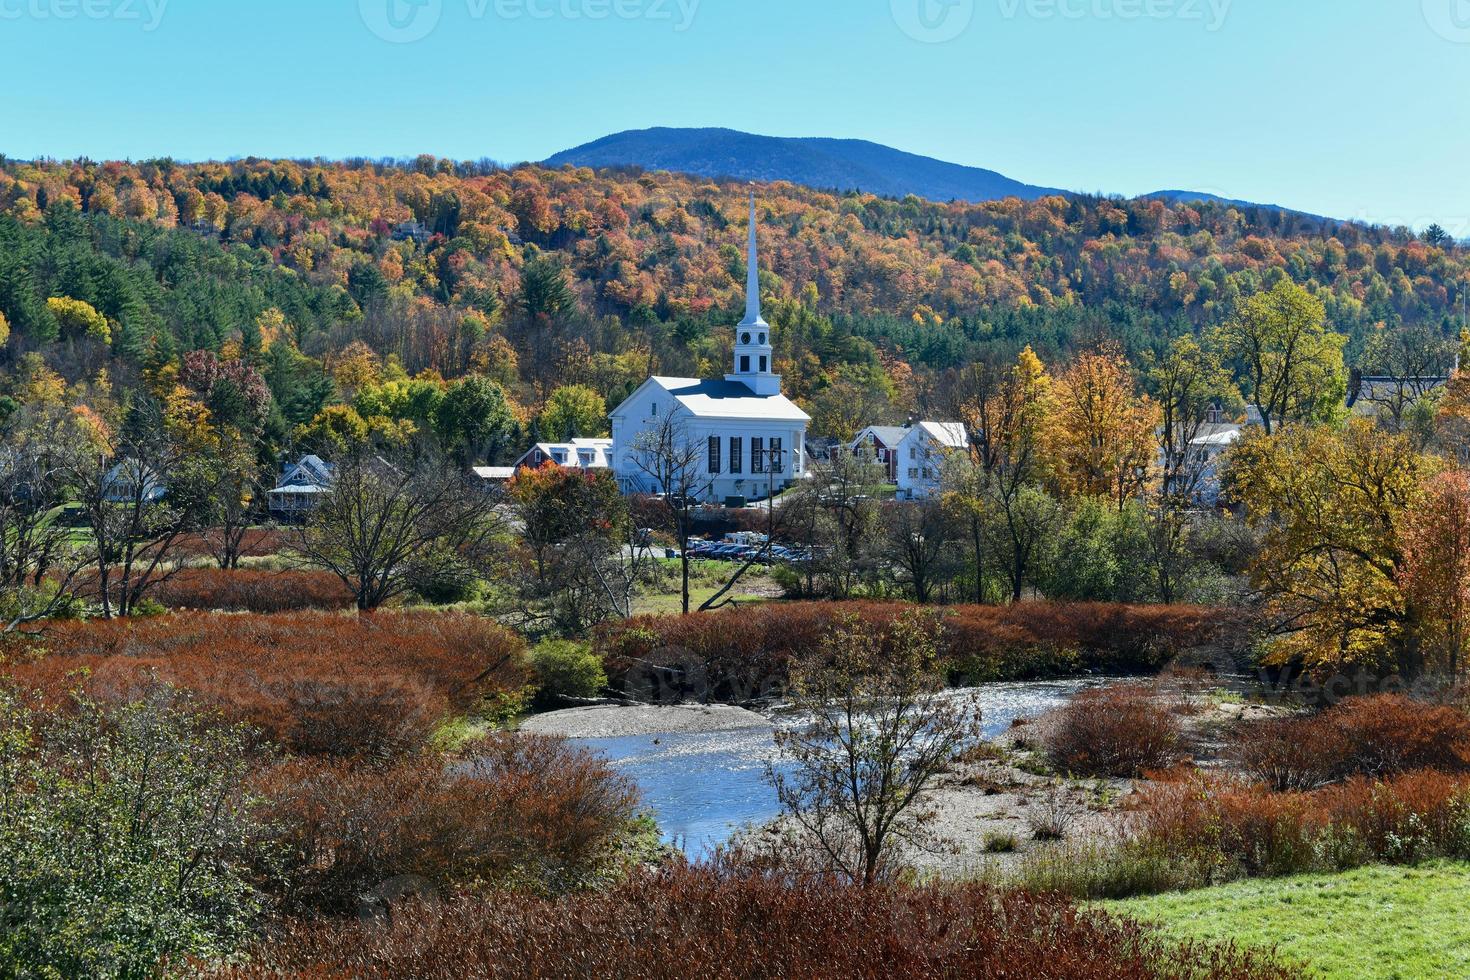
(1289, 753)
(1411, 817)
(509, 811)
(259, 542)
(1121, 730)
(1392, 733)
(699, 922)
(745, 653)
(1221, 825)
(252, 590)
(315, 683)
(1373, 736)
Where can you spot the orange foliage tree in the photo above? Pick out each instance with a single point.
(1099, 436)
(1435, 575)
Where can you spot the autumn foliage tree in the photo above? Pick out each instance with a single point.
(1099, 433)
(1435, 575)
(1288, 358)
(1327, 504)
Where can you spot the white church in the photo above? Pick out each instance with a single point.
(751, 438)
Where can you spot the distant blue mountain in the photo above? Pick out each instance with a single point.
(1186, 197)
(827, 164)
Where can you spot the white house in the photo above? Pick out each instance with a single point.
(921, 453)
(751, 438)
(131, 481)
(302, 485)
(1206, 451)
(575, 454)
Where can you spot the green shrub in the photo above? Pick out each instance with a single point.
(124, 834)
(567, 669)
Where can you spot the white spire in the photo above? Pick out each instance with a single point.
(752, 277)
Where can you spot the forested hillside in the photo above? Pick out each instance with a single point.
(331, 280)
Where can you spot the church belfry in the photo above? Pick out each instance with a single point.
(755, 361)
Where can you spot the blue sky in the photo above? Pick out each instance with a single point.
(1354, 108)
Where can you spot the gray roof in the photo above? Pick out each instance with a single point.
(889, 435)
(1371, 390)
(730, 400)
(950, 435)
(599, 450)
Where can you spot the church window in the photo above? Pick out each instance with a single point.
(777, 464)
(737, 454)
(763, 364)
(745, 365)
(757, 455)
(714, 454)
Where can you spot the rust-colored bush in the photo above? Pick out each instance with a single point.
(1120, 730)
(745, 653)
(1224, 827)
(1411, 817)
(257, 542)
(507, 811)
(315, 683)
(701, 922)
(1373, 736)
(1288, 753)
(252, 590)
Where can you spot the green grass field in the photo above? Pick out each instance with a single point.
(705, 579)
(1381, 922)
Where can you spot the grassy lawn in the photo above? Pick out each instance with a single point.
(1370, 923)
(705, 579)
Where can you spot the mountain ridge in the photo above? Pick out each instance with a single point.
(825, 163)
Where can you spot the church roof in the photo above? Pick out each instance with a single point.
(729, 400)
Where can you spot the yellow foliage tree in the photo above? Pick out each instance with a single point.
(1100, 432)
(1328, 504)
(77, 318)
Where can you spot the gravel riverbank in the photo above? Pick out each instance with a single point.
(613, 721)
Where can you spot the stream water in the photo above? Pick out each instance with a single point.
(703, 787)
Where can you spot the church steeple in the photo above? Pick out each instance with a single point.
(754, 358)
(752, 277)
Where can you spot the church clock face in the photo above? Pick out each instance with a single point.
(763, 338)
(745, 338)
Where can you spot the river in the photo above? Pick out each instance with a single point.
(703, 787)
